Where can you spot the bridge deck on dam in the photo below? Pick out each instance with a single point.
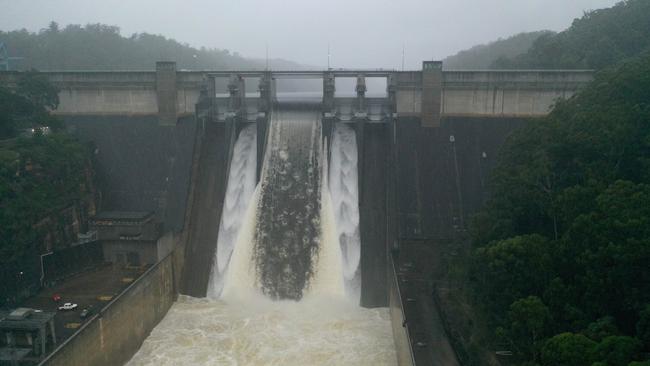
(169, 93)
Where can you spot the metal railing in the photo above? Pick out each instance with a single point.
(396, 283)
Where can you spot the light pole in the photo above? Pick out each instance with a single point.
(42, 269)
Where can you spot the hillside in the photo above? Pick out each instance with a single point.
(483, 56)
(597, 40)
(102, 47)
(562, 248)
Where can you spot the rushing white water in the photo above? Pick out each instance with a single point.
(240, 188)
(344, 190)
(243, 326)
(312, 332)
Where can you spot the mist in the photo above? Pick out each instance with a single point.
(360, 34)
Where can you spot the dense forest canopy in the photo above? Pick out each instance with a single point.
(102, 47)
(42, 171)
(562, 258)
(599, 39)
(484, 56)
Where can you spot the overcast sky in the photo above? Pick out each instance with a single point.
(361, 33)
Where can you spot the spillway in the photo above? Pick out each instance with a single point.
(240, 189)
(284, 287)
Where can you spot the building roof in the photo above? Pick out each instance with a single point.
(123, 215)
(33, 320)
(13, 354)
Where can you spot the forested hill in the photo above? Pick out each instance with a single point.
(102, 47)
(597, 40)
(483, 56)
(562, 250)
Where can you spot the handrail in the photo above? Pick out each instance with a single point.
(405, 323)
(104, 309)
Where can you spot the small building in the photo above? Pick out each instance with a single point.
(25, 333)
(130, 237)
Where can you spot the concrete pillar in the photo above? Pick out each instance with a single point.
(391, 91)
(43, 339)
(51, 322)
(237, 90)
(361, 96)
(211, 90)
(167, 93)
(329, 87)
(431, 93)
(262, 130)
(233, 89)
(266, 93)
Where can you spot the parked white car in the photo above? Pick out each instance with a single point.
(68, 306)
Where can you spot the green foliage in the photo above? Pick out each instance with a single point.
(39, 176)
(601, 329)
(483, 56)
(514, 268)
(569, 218)
(637, 363)
(101, 47)
(568, 349)
(643, 326)
(528, 323)
(599, 39)
(618, 350)
(27, 105)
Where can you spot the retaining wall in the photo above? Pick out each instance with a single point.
(115, 334)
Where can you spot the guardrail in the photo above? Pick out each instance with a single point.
(100, 344)
(397, 301)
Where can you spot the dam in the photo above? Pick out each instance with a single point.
(287, 250)
(214, 153)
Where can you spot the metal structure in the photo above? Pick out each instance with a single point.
(5, 58)
(235, 103)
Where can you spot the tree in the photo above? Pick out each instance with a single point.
(514, 268)
(599, 39)
(529, 320)
(569, 217)
(618, 350)
(568, 349)
(643, 326)
(28, 105)
(102, 47)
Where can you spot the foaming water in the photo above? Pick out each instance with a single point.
(314, 331)
(288, 238)
(344, 191)
(241, 185)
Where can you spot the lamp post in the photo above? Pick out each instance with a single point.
(42, 268)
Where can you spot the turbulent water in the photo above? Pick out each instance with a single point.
(241, 185)
(307, 333)
(344, 190)
(293, 237)
(288, 231)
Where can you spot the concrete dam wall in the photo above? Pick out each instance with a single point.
(422, 170)
(140, 165)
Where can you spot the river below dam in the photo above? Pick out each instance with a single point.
(263, 332)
